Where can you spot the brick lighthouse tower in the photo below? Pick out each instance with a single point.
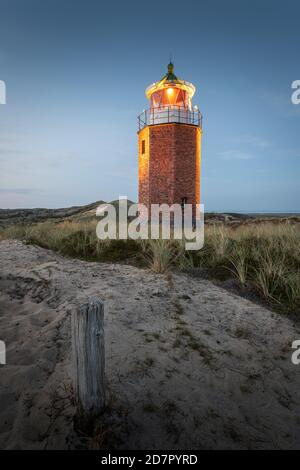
(169, 139)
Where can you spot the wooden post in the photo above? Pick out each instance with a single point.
(89, 359)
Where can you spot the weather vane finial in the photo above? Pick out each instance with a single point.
(170, 65)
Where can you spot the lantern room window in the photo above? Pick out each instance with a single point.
(171, 96)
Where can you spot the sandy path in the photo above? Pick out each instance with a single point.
(189, 365)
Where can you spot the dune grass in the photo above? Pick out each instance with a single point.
(264, 257)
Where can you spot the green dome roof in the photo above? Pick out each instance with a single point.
(170, 76)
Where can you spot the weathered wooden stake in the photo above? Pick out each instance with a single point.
(89, 359)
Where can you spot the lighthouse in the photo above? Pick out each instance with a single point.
(169, 144)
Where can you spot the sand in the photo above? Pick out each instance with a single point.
(188, 364)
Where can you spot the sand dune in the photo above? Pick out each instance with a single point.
(188, 365)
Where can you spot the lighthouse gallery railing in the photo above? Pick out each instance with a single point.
(167, 114)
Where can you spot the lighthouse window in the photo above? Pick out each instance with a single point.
(143, 147)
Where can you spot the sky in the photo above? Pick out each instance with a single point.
(76, 72)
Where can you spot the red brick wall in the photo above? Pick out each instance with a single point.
(170, 168)
(144, 167)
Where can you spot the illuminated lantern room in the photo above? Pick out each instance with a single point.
(170, 101)
(170, 91)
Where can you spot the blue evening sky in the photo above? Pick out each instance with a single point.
(76, 72)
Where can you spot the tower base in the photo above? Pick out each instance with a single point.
(169, 164)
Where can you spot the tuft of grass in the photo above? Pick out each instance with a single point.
(238, 260)
(163, 254)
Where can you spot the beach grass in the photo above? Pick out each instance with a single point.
(263, 257)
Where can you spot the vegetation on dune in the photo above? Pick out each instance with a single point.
(263, 257)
